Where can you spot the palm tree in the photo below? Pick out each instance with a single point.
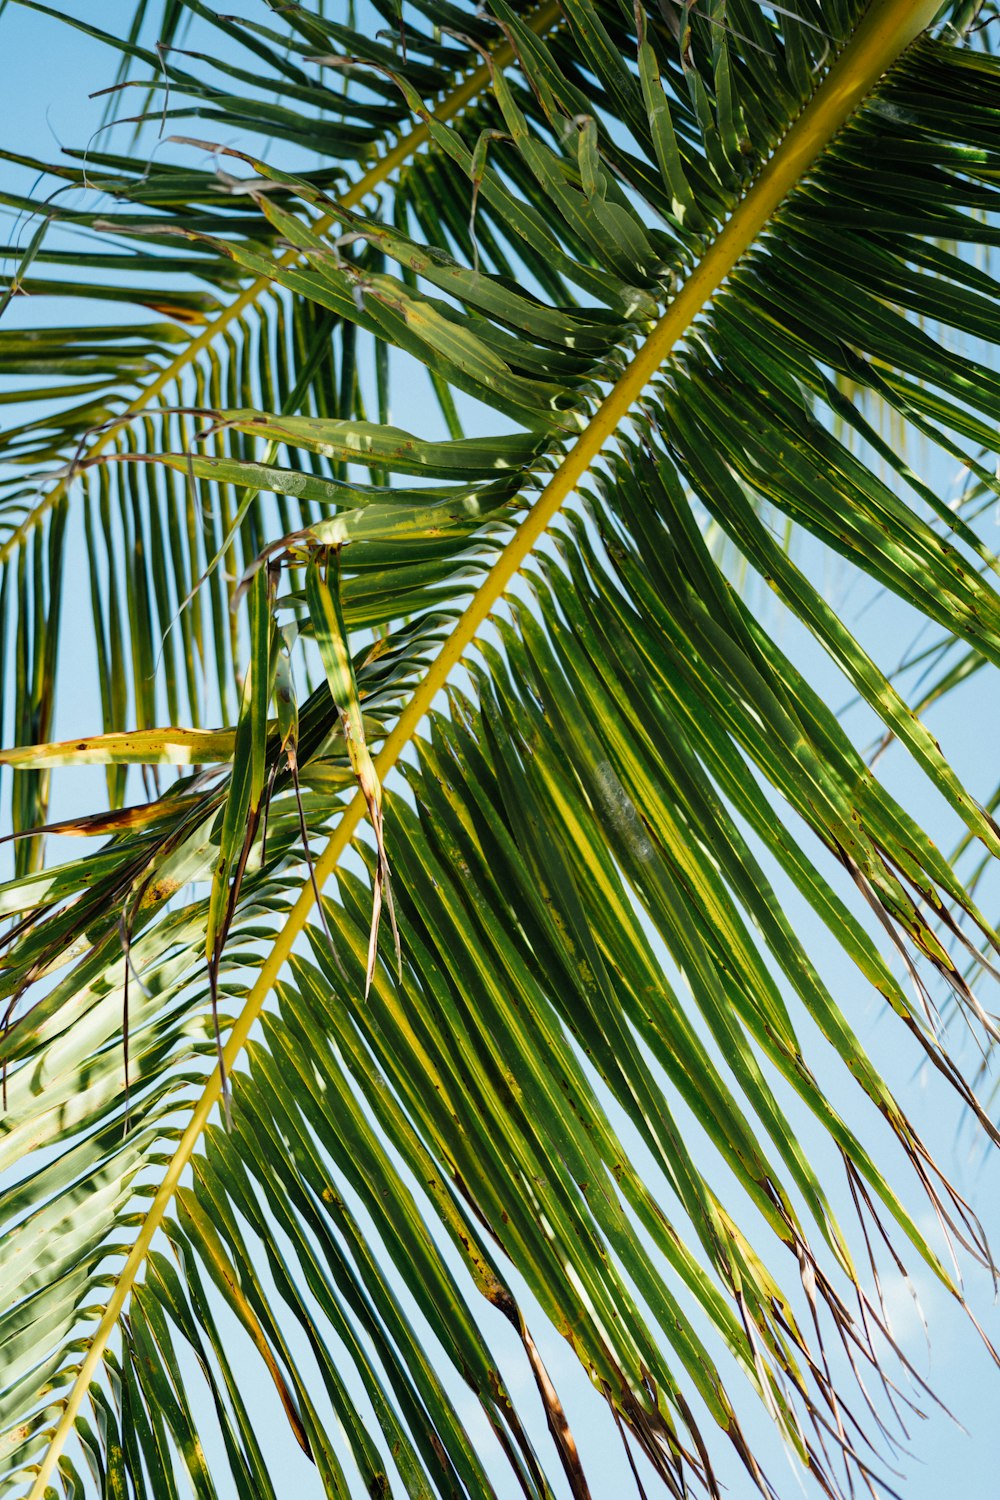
(289, 1058)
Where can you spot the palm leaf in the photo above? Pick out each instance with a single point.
(603, 774)
(247, 350)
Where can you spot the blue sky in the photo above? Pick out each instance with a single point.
(49, 72)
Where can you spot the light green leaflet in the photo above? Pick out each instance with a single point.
(327, 619)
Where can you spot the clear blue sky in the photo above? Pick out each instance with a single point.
(48, 72)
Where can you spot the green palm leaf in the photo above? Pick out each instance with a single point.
(664, 251)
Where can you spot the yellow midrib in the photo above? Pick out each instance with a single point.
(887, 27)
(541, 21)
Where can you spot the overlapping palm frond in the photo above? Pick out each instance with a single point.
(657, 247)
(229, 342)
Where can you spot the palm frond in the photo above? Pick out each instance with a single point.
(254, 349)
(659, 249)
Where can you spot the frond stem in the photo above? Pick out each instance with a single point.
(887, 28)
